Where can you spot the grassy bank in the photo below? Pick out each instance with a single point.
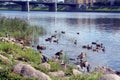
(20, 29)
(14, 53)
(11, 54)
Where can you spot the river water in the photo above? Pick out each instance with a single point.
(92, 27)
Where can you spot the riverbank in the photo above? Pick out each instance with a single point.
(99, 11)
(22, 62)
(12, 54)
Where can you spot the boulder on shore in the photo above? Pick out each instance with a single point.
(104, 70)
(46, 65)
(109, 77)
(76, 72)
(28, 71)
(57, 74)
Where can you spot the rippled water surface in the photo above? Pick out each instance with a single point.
(101, 27)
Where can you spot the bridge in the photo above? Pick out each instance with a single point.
(51, 5)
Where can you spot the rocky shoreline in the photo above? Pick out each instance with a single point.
(26, 70)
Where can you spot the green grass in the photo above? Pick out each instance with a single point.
(105, 9)
(25, 55)
(8, 75)
(3, 8)
(55, 66)
(91, 76)
(20, 29)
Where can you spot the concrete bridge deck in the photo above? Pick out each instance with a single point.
(52, 5)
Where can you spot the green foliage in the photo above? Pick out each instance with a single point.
(66, 58)
(4, 61)
(91, 76)
(19, 29)
(41, 68)
(59, 78)
(68, 71)
(8, 75)
(104, 8)
(26, 55)
(55, 66)
(6, 47)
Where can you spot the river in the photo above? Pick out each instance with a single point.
(84, 27)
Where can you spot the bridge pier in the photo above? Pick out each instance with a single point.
(52, 7)
(24, 6)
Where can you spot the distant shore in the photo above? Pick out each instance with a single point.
(100, 11)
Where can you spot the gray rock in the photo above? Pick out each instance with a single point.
(76, 72)
(46, 65)
(104, 70)
(109, 77)
(28, 71)
(17, 68)
(57, 74)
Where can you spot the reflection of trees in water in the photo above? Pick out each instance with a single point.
(82, 21)
(101, 23)
(108, 24)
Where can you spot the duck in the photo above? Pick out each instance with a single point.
(63, 32)
(56, 41)
(41, 47)
(78, 33)
(75, 42)
(84, 46)
(94, 43)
